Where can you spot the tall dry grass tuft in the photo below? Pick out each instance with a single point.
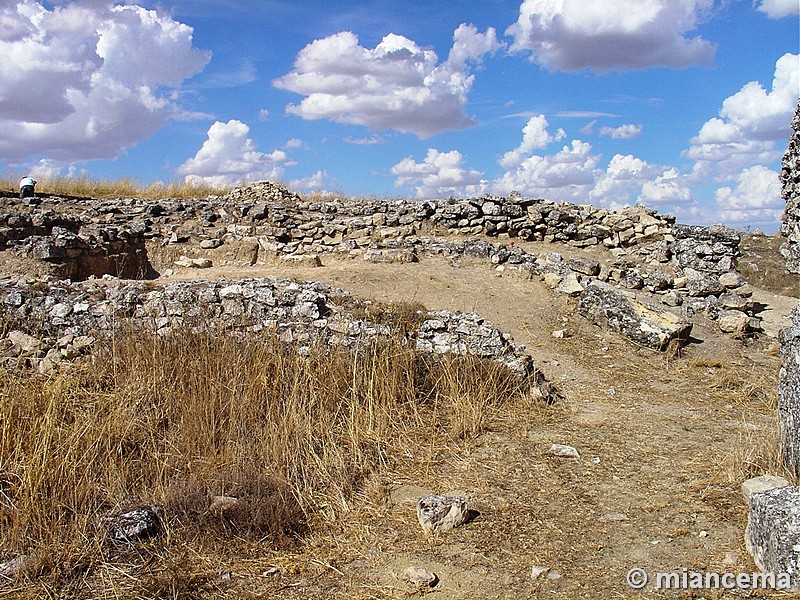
(182, 419)
(125, 187)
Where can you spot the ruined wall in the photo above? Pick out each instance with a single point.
(268, 221)
(299, 313)
(790, 191)
(75, 246)
(789, 394)
(688, 266)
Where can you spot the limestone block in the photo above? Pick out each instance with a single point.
(789, 393)
(649, 326)
(390, 255)
(773, 532)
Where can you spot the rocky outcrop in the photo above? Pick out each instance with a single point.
(621, 311)
(790, 191)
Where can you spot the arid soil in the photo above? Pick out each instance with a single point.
(664, 440)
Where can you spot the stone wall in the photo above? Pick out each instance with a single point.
(687, 266)
(790, 191)
(298, 313)
(276, 222)
(75, 246)
(789, 394)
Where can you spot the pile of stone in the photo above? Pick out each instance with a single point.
(70, 316)
(262, 191)
(790, 180)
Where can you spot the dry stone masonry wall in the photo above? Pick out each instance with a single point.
(70, 316)
(790, 191)
(692, 269)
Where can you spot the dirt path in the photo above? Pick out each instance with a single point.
(664, 445)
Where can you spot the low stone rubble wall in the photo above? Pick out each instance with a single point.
(690, 267)
(70, 316)
(277, 222)
(76, 247)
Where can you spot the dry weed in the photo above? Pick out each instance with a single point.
(756, 452)
(84, 187)
(179, 420)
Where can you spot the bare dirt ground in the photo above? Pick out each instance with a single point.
(664, 442)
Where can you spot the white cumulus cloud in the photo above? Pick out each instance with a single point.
(229, 156)
(569, 174)
(606, 35)
(760, 114)
(623, 132)
(752, 126)
(622, 180)
(396, 85)
(534, 137)
(777, 9)
(87, 80)
(666, 191)
(756, 198)
(439, 174)
(314, 184)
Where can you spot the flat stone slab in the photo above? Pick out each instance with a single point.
(647, 325)
(763, 483)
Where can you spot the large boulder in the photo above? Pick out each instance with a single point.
(621, 311)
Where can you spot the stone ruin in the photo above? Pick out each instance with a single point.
(661, 277)
(74, 315)
(773, 523)
(668, 268)
(773, 530)
(790, 191)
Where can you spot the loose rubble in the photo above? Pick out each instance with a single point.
(135, 525)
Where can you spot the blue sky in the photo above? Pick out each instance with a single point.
(681, 105)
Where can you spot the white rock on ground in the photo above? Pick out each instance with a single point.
(441, 513)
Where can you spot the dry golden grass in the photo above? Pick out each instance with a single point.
(178, 420)
(85, 187)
